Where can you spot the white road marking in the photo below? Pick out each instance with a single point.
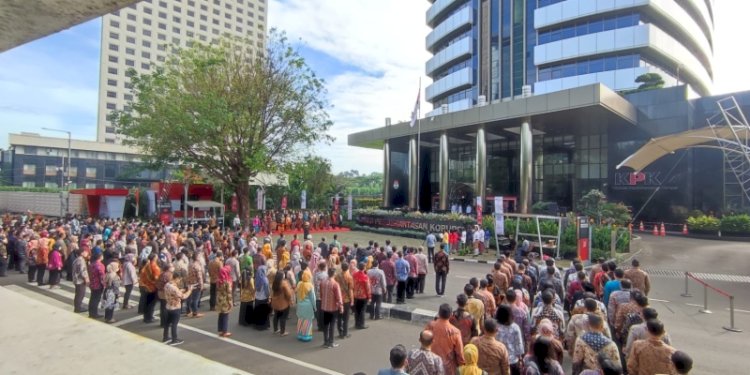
(694, 305)
(739, 310)
(261, 350)
(658, 300)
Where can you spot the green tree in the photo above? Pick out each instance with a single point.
(312, 174)
(649, 81)
(226, 111)
(592, 204)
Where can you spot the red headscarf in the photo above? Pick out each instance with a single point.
(225, 276)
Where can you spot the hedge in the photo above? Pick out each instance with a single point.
(703, 224)
(735, 224)
(29, 189)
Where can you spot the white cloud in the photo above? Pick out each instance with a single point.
(730, 54)
(385, 41)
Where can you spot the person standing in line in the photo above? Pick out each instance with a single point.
(174, 297)
(389, 269)
(446, 342)
(638, 277)
(164, 277)
(318, 278)
(402, 277)
(129, 278)
(651, 356)
(430, 243)
(55, 266)
(149, 275)
(591, 344)
(80, 280)
(22, 244)
(442, 267)
(4, 259)
(195, 281)
(422, 269)
(97, 274)
(224, 300)
(397, 358)
(111, 291)
(423, 361)
(234, 267)
(411, 283)
(42, 257)
(377, 282)
(305, 307)
(332, 304)
(281, 301)
(31, 251)
(262, 308)
(362, 293)
(346, 283)
(213, 275)
(493, 355)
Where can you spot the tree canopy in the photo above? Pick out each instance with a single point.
(226, 111)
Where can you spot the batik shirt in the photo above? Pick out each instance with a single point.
(493, 356)
(650, 356)
(588, 346)
(512, 337)
(424, 362)
(553, 314)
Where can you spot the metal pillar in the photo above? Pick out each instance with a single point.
(386, 174)
(413, 178)
(526, 164)
(481, 163)
(443, 171)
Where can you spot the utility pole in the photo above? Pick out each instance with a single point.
(66, 172)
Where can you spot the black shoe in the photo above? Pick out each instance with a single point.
(149, 321)
(176, 342)
(166, 341)
(363, 327)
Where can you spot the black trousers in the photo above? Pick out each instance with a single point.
(212, 297)
(162, 312)
(430, 254)
(401, 291)
(411, 286)
(319, 315)
(20, 261)
(40, 268)
(148, 308)
(142, 300)
(173, 318)
(109, 314)
(420, 282)
(94, 300)
(359, 312)
(223, 323)
(342, 320)
(389, 293)
(440, 278)
(279, 320)
(375, 305)
(329, 320)
(126, 298)
(80, 292)
(31, 272)
(54, 277)
(3, 266)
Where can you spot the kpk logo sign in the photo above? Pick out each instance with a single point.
(642, 180)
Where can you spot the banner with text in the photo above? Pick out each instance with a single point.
(349, 208)
(499, 218)
(398, 222)
(303, 200)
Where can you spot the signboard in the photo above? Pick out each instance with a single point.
(479, 210)
(283, 202)
(584, 246)
(400, 222)
(499, 217)
(349, 208)
(259, 199)
(303, 200)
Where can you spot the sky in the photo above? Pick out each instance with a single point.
(370, 53)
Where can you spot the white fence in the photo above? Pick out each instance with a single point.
(47, 204)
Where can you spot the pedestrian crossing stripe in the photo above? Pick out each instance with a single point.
(700, 275)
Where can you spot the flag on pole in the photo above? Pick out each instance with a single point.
(415, 112)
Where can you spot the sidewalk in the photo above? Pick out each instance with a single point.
(49, 340)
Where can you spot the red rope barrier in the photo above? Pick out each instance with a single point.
(717, 290)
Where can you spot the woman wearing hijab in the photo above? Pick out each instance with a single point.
(55, 265)
(129, 277)
(111, 291)
(546, 329)
(247, 296)
(539, 361)
(224, 300)
(262, 294)
(281, 301)
(471, 358)
(305, 306)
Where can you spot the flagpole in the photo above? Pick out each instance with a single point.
(419, 140)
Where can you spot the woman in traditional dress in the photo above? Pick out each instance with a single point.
(305, 307)
(224, 300)
(247, 296)
(111, 291)
(262, 293)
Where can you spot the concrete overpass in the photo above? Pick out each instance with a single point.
(22, 21)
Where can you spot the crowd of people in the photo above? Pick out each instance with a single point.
(521, 317)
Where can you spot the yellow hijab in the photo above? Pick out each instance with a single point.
(305, 285)
(471, 357)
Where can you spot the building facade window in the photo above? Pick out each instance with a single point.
(90, 172)
(29, 169)
(130, 28)
(50, 170)
(111, 94)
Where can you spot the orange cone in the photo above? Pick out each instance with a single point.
(656, 230)
(640, 227)
(684, 229)
(662, 232)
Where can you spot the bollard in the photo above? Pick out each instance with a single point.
(705, 309)
(731, 327)
(686, 294)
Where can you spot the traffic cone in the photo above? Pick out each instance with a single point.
(662, 232)
(640, 227)
(684, 229)
(656, 230)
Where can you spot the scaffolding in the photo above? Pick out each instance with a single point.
(736, 150)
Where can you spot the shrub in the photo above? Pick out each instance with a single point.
(703, 224)
(735, 224)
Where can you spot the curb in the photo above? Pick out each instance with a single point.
(413, 315)
(481, 261)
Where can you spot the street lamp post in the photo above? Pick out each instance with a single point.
(67, 169)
